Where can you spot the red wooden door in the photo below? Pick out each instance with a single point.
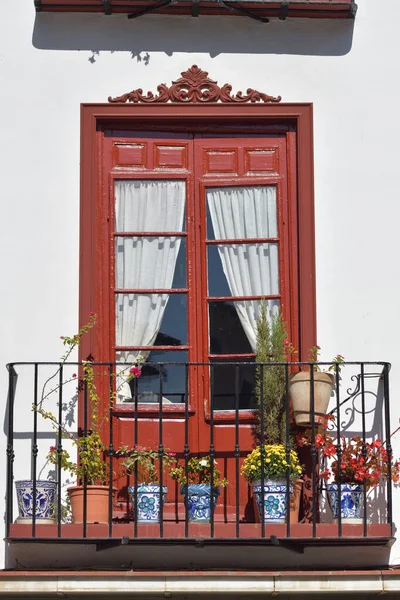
(237, 173)
(205, 315)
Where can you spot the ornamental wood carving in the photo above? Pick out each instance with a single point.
(194, 87)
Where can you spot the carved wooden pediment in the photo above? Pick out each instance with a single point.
(194, 87)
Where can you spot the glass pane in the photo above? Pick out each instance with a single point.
(217, 282)
(243, 270)
(151, 319)
(179, 280)
(241, 212)
(149, 205)
(233, 324)
(166, 255)
(147, 386)
(223, 385)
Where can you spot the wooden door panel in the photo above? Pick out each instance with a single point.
(147, 152)
(257, 156)
(240, 161)
(132, 156)
(262, 162)
(203, 161)
(173, 439)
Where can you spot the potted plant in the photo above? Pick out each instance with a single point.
(275, 462)
(144, 464)
(38, 499)
(270, 378)
(200, 486)
(271, 347)
(90, 468)
(352, 463)
(300, 387)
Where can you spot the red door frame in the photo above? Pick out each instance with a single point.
(299, 117)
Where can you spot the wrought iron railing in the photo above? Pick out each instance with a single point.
(171, 420)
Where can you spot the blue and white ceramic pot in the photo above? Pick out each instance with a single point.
(148, 502)
(274, 500)
(198, 501)
(44, 503)
(351, 501)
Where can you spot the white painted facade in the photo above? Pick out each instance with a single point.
(51, 63)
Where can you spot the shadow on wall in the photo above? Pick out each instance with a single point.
(207, 34)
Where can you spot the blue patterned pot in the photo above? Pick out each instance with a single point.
(274, 500)
(351, 501)
(148, 502)
(45, 500)
(198, 501)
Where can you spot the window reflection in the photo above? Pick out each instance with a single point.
(146, 388)
(223, 392)
(227, 335)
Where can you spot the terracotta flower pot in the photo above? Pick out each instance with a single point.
(295, 499)
(96, 503)
(300, 395)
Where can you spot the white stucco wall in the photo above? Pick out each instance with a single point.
(50, 63)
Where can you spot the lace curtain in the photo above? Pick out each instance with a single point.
(144, 262)
(250, 269)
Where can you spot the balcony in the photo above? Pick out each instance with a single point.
(261, 9)
(160, 411)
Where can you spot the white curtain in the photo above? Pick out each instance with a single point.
(250, 269)
(143, 262)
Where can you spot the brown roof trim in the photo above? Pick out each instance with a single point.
(389, 572)
(261, 9)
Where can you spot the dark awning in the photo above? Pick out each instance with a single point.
(259, 9)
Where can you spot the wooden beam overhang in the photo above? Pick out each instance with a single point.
(258, 9)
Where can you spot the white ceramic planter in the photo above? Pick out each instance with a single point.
(275, 500)
(148, 509)
(42, 507)
(351, 502)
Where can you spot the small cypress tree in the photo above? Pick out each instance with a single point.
(270, 380)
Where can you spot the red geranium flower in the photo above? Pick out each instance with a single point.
(135, 371)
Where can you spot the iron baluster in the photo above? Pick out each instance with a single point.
(287, 445)
(386, 369)
(339, 450)
(12, 376)
(364, 448)
(110, 448)
(135, 469)
(212, 450)
(186, 451)
(59, 448)
(85, 431)
(262, 444)
(237, 449)
(161, 446)
(313, 454)
(34, 444)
